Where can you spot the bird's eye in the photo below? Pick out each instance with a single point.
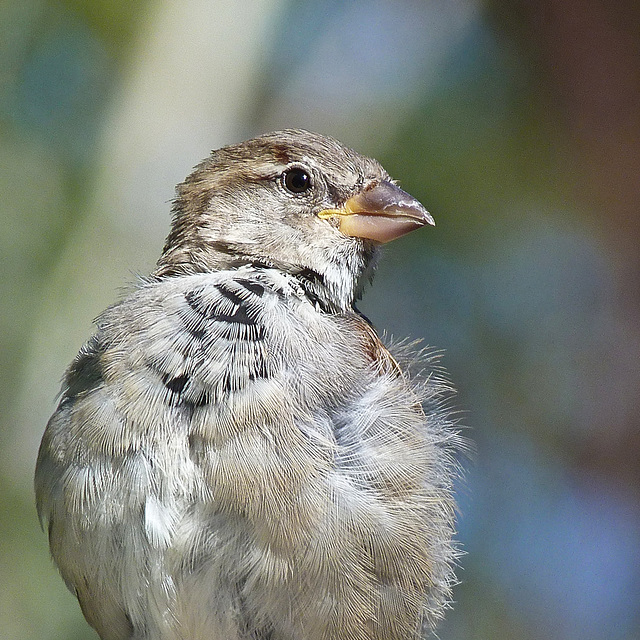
(296, 180)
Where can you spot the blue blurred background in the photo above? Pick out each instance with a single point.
(516, 123)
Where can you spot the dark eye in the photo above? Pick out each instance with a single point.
(296, 180)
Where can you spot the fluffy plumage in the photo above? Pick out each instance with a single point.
(236, 455)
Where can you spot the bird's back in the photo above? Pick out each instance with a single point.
(286, 482)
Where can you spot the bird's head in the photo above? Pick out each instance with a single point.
(293, 200)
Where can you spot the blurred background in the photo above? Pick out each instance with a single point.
(517, 123)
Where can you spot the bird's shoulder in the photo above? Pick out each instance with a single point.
(227, 339)
(207, 362)
(248, 321)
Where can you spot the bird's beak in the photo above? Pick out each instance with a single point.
(381, 212)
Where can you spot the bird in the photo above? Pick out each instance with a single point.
(236, 453)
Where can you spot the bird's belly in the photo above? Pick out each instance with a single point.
(290, 525)
(314, 541)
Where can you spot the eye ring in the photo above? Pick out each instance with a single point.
(296, 180)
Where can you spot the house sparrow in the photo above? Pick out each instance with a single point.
(236, 455)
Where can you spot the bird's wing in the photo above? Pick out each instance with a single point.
(122, 458)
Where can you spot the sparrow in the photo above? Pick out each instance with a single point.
(236, 455)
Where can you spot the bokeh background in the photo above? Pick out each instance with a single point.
(517, 123)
